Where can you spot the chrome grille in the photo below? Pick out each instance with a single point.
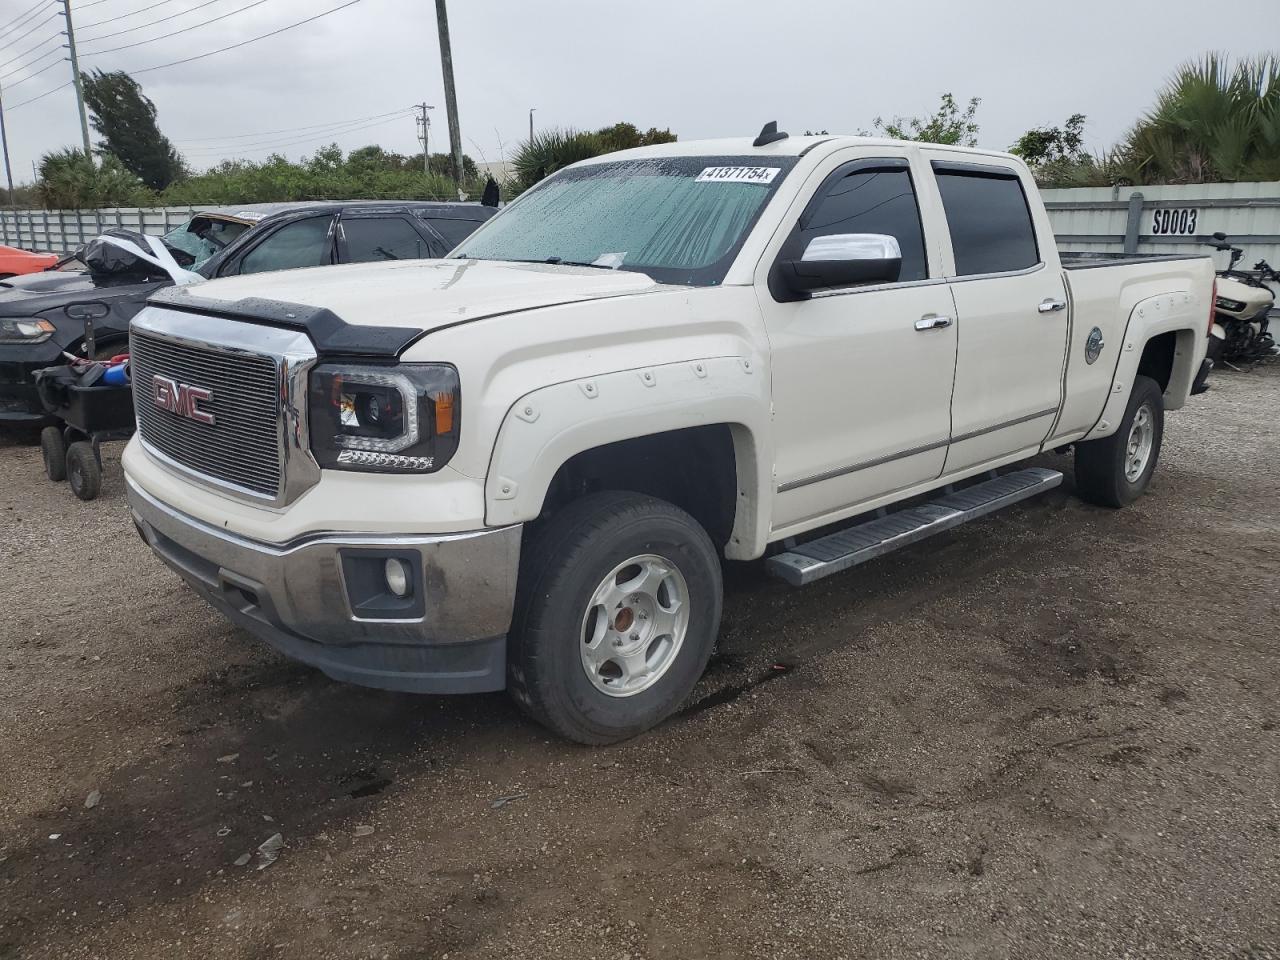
(242, 446)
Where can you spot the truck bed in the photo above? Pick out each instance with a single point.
(1090, 260)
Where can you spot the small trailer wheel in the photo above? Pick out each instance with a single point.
(53, 450)
(83, 471)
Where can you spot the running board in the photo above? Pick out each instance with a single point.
(807, 562)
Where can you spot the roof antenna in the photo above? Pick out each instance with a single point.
(769, 133)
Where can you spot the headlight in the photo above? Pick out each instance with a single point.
(399, 419)
(25, 330)
(1235, 306)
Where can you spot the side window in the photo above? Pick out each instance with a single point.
(872, 201)
(304, 243)
(383, 238)
(454, 231)
(990, 223)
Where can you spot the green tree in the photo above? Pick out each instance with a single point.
(1050, 145)
(1213, 121)
(126, 120)
(949, 124)
(69, 180)
(549, 150)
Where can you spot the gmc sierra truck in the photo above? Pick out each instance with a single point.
(521, 466)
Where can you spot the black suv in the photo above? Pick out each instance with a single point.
(44, 314)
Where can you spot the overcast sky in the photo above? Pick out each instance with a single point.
(703, 68)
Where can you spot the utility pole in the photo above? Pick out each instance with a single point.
(8, 173)
(450, 94)
(75, 75)
(424, 134)
(531, 109)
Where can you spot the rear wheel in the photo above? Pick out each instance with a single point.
(53, 450)
(1114, 471)
(83, 472)
(616, 616)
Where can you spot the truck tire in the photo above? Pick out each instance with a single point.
(1114, 471)
(83, 472)
(617, 612)
(53, 450)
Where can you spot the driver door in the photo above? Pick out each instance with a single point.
(862, 375)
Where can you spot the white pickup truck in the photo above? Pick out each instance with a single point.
(522, 465)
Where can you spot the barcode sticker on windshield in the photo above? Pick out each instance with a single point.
(762, 175)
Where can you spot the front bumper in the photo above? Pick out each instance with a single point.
(301, 598)
(19, 403)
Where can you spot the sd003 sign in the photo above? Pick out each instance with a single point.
(1174, 222)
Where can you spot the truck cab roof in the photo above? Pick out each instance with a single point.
(789, 146)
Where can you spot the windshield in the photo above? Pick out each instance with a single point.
(203, 236)
(677, 219)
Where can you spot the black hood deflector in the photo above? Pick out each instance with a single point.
(332, 336)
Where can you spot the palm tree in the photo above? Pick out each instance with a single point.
(1214, 121)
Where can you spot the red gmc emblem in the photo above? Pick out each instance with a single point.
(181, 398)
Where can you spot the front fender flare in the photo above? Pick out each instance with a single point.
(546, 427)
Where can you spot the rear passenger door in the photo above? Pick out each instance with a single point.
(1011, 314)
(369, 239)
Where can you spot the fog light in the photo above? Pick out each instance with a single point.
(397, 575)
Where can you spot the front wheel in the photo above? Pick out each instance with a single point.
(1114, 471)
(616, 616)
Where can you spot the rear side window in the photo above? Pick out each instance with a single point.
(872, 200)
(383, 238)
(990, 223)
(454, 231)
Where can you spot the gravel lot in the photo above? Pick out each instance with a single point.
(1051, 733)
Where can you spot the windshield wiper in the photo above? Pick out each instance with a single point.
(557, 261)
(578, 263)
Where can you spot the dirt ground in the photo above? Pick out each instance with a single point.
(1051, 733)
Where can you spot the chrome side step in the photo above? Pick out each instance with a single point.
(807, 562)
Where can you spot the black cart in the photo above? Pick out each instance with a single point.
(91, 412)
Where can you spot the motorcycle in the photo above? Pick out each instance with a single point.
(1240, 330)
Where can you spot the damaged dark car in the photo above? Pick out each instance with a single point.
(45, 315)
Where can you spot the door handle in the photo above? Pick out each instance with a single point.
(932, 321)
(1050, 305)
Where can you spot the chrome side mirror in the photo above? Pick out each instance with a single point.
(843, 260)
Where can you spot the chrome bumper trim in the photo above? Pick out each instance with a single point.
(293, 595)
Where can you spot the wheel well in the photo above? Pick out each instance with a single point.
(1157, 358)
(693, 468)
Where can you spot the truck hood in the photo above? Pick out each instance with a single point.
(420, 294)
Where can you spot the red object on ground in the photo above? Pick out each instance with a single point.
(14, 261)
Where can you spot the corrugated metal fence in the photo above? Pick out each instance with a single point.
(61, 231)
(1169, 219)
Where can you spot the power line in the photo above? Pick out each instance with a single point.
(123, 16)
(93, 3)
(19, 21)
(165, 36)
(149, 23)
(28, 50)
(41, 96)
(33, 75)
(313, 126)
(295, 141)
(10, 43)
(27, 66)
(244, 43)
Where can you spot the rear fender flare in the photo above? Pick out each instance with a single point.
(1167, 312)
